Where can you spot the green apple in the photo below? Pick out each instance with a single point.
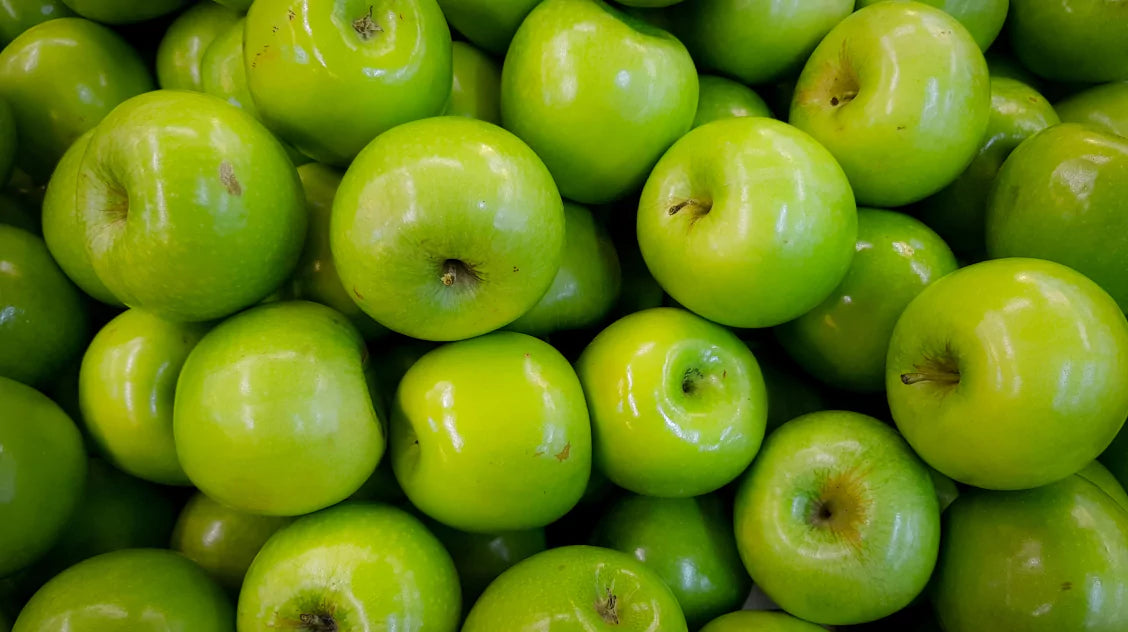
(489, 24)
(238, 5)
(982, 18)
(756, 41)
(586, 285)
(190, 208)
(43, 322)
(1039, 560)
(959, 211)
(1115, 457)
(448, 453)
(586, 588)
(689, 542)
(946, 490)
(649, 3)
(899, 93)
(222, 540)
(126, 387)
(480, 557)
(837, 520)
(598, 94)
(61, 78)
(62, 224)
(844, 340)
(1099, 475)
(759, 621)
(677, 403)
(42, 469)
(747, 221)
(476, 92)
(17, 16)
(724, 98)
(272, 412)
(365, 66)
(1009, 374)
(1062, 195)
(222, 72)
(1104, 107)
(123, 11)
(1002, 64)
(1071, 40)
(8, 134)
(447, 228)
(132, 590)
(181, 51)
(358, 566)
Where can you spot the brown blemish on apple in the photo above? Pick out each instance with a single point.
(365, 26)
(318, 622)
(227, 177)
(1066, 586)
(562, 455)
(357, 293)
(607, 606)
(290, 15)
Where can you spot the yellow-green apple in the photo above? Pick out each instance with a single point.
(724, 98)
(447, 228)
(1071, 40)
(1009, 374)
(844, 340)
(44, 465)
(1099, 475)
(128, 590)
(476, 91)
(598, 94)
(747, 221)
(123, 11)
(1039, 560)
(480, 557)
(222, 72)
(365, 66)
(190, 208)
(272, 412)
(61, 77)
(1062, 195)
(182, 48)
(759, 621)
(577, 588)
(17, 16)
(1104, 106)
(43, 321)
(982, 18)
(357, 566)
(837, 520)
(448, 449)
(899, 93)
(489, 24)
(677, 403)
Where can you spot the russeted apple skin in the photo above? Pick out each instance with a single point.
(1009, 374)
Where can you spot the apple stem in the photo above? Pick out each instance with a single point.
(943, 378)
(318, 622)
(608, 608)
(365, 26)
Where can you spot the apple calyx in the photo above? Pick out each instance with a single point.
(942, 370)
(317, 622)
(694, 209)
(608, 607)
(839, 507)
(456, 272)
(365, 26)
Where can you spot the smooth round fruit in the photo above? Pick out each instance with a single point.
(481, 557)
(759, 621)
(490, 24)
(722, 98)
(17, 16)
(1104, 107)
(1100, 476)
(222, 73)
(1071, 40)
(982, 18)
(182, 49)
(476, 92)
(123, 11)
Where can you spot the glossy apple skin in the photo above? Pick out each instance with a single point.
(61, 78)
(358, 83)
(44, 472)
(368, 566)
(689, 542)
(190, 208)
(222, 72)
(724, 98)
(126, 387)
(982, 18)
(489, 24)
(598, 94)
(844, 340)
(759, 621)
(489, 204)
(877, 542)
(577, 588)
(1099, 475)
(222, 540)
(476, 92)
(1042, 357)
(586, 285)
(447, 452)
(1050, 558)
(481, 557)
(17, 16)
(959, 211)
(1104, 107)
(182, 49)
(1063, 195)
(743, 250)
(133, 590)
(123, 11)
(272, 413)
(43, 321)
(899, 93)
(677, 403)
(1067, 40)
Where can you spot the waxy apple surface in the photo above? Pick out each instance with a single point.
(724, 98)
(17, 16)
(476, 91)
(1071, 40)
(182, 49)
(123, 11)
(1104, 107)
(759, 621)
(490, 24)
(982, 18)
(222, 72)
(1099, 475)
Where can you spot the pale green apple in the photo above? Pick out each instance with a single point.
(598, 94)
(1071, 40)
(1104, 107)
(1099, 475)
(222, 72)
(837, 520)
(480, 558)
(364, 66)
(447, 228)
(747, 221)
(43, 321)
(182, 48)
(190, 208)
(126, 387)
(759, 621)
(492, 434)
(844, 340)
(899, 93)
(476, 91)
(724, 98)
(272, 412)
(982, 18)
(17, 16)
(357, 566)
(1009, 374)
(489, 24)
(677, 403)
(586, 588)
(586, 285)
(61, 78)
(1062, 195)
(123, 11)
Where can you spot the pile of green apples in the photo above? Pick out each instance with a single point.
(563, 315)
